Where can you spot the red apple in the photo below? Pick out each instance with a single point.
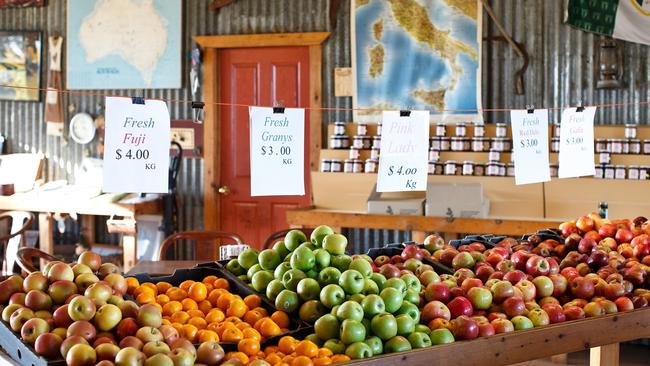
(555, 313)
(593, 309)
(607, 230)
(502, 326)
(573, 313)
(48, 345)
(582, 288)
(514, 306)
(537, 266)
(623, 235)
(437, 291)
(464, 327)
(460, 306)
(585, 224)
(83, 329)
(434, 310)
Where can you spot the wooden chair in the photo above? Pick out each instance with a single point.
(25, 258)
(198, 237)
(279, 235)
(19, 222)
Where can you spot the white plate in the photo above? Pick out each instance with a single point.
(82, 128)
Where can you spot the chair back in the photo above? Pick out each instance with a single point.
(20, 222)
(25, 256)
(279, 235)
(199, 238)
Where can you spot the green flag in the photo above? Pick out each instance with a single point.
(623, 19)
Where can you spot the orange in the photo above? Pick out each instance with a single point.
(239, 355)
(287, 345)
(209, 287)
(340, 359)
(132, 283)
(307, 348)
(162, 299)
(213, 327)
(158, 306)
(213, 295)
(151, 286)
(146, 297)
(196, 313)
(232, 335)
(237, 308)
(253, 301)
(180, 317)
(233, 319)
(178, 327)
(252, 334)
(189, 331)
(324, 352)
(248, 346)
(198, 322)
(140, 289)
(268, 328)
(281, 319)
(176, 294)
(282, 363)
(205, 306)
(209, 279)
(197, 292)
(163, 286)
(301, 361)
(215, 316)
(222, 327)
(262, 311)
(221, 283)
(242, 325)
(172, 307)
(252, 316)
(185, 285)
(273, 359)
(224, 301)
(205, 335)
(321, 361)
(166, 322)
(189, 304)
(288, 359)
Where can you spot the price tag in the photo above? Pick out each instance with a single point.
(136, 151)
(577, 143)
(404, 147)
(277, 152)
(530, 145)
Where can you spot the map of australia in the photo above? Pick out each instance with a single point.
(418, 54)
(124, 44)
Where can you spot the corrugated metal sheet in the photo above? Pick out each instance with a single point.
(559, 75)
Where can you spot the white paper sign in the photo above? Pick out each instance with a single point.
(577, 143)
(403, 160)
(530, 145)
(277, 152)
(136, 151)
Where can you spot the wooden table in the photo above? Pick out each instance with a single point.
(47, 205)
(419, 226)
(161, 268)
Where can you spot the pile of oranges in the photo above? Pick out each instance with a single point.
(290, 352)
(208, 311)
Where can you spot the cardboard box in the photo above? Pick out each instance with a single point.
(402, 203)
(457, 200)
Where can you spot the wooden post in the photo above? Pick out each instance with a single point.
(604, 355)
(88, 228)
(45, 241)
(418, 236)
(560, 359)
(129, 250)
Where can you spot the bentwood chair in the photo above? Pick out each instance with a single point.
(18, 222)
(279, 235)
(199, 238)
(25, 258)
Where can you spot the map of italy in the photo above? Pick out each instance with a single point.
(131, 29)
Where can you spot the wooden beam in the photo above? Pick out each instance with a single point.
(211, 136)
(45, 240)
(605, 355)
(315, 102)
(262, 40)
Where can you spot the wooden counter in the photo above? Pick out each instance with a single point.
(160, 268)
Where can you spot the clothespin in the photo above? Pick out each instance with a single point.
(278, 108)
(405, 112)
(530, 108)
(197, 108)
(580, 106)
(138, 100)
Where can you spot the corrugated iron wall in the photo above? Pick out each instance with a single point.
(559, 74)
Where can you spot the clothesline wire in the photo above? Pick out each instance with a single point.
(171, 100)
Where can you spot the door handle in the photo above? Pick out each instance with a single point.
(224, 190)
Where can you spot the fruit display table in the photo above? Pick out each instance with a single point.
(417, 225)
(160, 268)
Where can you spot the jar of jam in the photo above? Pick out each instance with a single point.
(501, 130)
(630, 131)
(339, 142)
(633, 172)
(339, 128)
(468, 167)
(480, 144)
(440, 168)
(374, 153)
(510, 170)
(445, 144)
(376, 141)
(434, 155)
(371, 166)
(646, 147)
(434, 142)
(502, 170)
(598, 171)
(615, 146)
(458, 144)
(608, 171)
(441, 130)
(348, 166)
(604, 158)
(634, 146)
(479, 130)
(556, 130)
(555, 144)
(492, 169)
(379, 129)
(601, 146)
(450, 167)
(461, 130)
(499, 144)
(325, 165)
(362, 129)
(644, 172)
(355, 153)
(494, 155)
(554, 169)
(626, 146)
(479, 169)
(431, 167)
(336, 166)
(619, 172)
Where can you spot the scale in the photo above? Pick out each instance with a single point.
(82, 128)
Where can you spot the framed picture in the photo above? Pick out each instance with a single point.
(20, 65)
(20, 3)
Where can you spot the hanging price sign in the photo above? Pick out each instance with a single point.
(530, 145)
(404, 147)
(277, 152)
(136, 150)
(577, 143)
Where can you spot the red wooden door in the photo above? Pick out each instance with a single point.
(257, 76)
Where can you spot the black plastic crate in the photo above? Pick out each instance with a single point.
(20, 352)
(391, 250)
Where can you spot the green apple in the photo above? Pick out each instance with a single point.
(379, 279)
(307, 245)
(323, 258)
(335, 345)
(422, 328)
(312, 338)
(521, 322)
(335, 244)
(384, 326)
(370, 287)
(319, 234)
(419, 340)
(334, 309)
(441, 336)
(328, 276)
(107, 317)
(308, 289)
(405, 324)
(254, 269)
(412, 296)
(293, 239)
(358, 298)
(311, 310)
(373, 305)
(269, 259)
(341, 262)
(291, 278)
(332, 295)
(351, 281)
(480, 297)
(358, 350)
(363, 266)
(281, 269)
(350, 310)
(287, 301)
(327, 327)
(397, 283)
(273, 289)
(411, 281)
(312, 273)
(261, 280)
(375, 344)
(392, 299)
(235, 268)
(247, 258)
(410, 310)
(352, 331)
(302, 259)
(397, 344)
(281, 248)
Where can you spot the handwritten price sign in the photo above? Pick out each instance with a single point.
(577, 143)
(277, 150)
(530, 144)
(136, 152)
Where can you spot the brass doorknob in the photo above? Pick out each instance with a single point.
(224, 190)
